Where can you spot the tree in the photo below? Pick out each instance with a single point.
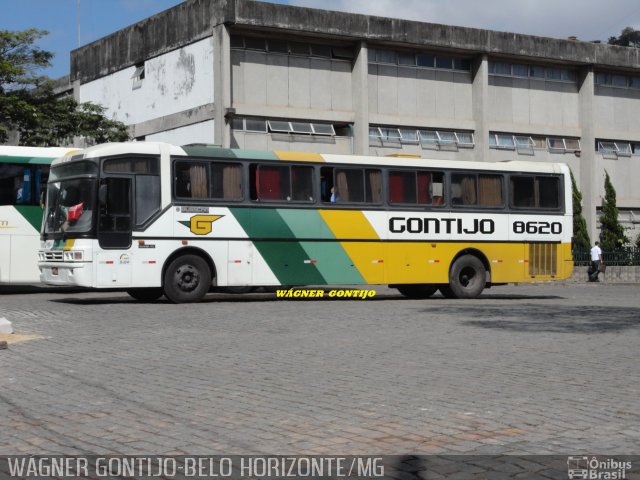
(29, 105)
(580, 238)
(612, 232)
(629, 37)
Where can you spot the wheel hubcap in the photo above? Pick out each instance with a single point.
(467, 276)
(187, 278)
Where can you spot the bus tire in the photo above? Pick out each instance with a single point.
(145, 294)
(187, 279)
(467, 277)
(417, 291)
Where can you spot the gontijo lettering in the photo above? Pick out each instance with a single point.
(441, 225)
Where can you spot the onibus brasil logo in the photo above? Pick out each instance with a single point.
(201, 224)
(594, 468)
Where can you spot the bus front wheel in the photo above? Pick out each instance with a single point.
(417, 291)
(467, 277)
(187, 279)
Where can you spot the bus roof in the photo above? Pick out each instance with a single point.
(36, 155)
(200, 150)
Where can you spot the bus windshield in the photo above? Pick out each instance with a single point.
(70, 206)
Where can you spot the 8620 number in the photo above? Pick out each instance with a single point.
(540, 228)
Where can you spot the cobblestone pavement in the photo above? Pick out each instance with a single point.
(535, 369)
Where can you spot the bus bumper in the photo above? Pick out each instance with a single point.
(70, 274)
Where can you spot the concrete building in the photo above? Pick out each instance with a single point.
(256, 75)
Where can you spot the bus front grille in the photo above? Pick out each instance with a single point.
(53, 256)
(543, 259)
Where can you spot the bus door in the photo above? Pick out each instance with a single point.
(114, 262)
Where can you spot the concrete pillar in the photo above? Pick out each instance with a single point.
(222, 86)
(360, 82)
(590, 178)
(76, 90)
(480, 96)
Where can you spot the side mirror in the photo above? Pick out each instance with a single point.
(102, 194)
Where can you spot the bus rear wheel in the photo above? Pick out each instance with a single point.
(145, 294)
(417, 291)
(187, 279)
(467, 277)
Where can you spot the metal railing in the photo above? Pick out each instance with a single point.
(620, 257)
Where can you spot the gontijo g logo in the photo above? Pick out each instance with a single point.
(201, 224)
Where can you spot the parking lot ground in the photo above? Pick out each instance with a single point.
(528, 369)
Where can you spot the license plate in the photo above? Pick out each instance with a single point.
(54, 270)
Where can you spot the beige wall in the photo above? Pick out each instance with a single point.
(417, 96)
(533, 106)
(264, 79)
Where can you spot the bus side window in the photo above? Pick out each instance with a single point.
(326, 184)
(437, 189)
(191, 179)
(463, 189)
(522, 190)
(12, 184)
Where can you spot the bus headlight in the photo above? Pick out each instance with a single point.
(73, 255)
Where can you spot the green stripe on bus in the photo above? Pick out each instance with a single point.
(290, 263)
(29, 160)
(331, 260)
(32, 213)
(306, 223)
(287, 260)
(255, 154)
(262, 223)
(208, 151)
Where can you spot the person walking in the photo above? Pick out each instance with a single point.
(596, 260)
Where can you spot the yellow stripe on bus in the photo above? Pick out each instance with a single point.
(349, 224)
(69, 244)
(299, 156)
(367, 257)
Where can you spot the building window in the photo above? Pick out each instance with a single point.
(525, 144)
(617, 80)
(261, 125)
(615, 149)
(284, 47)
(563, 145)
(303, 128)
(422, 60)
(502, 141)
(138, 76)
(428, 139)
(555, 74)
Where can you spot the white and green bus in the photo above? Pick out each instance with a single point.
(156, 219)
(23, 176)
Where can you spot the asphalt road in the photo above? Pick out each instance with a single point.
(529, 369)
